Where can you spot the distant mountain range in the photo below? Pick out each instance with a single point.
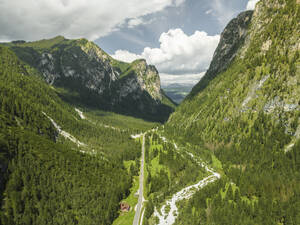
(177, 92)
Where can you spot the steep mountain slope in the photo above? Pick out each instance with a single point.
(232, 38)
(263, 77)
(88, 75)
(58, 166)
(246, 111)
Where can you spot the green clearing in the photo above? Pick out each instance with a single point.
(216, 163)
(120, 121)
(155, 166)
(127, 218)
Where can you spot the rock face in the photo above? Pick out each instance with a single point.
(231, 39)
(255, 72)
(246, 110)
(82, 67)
(143, 78)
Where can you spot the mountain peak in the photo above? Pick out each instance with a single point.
(232, 39)
(82, 67)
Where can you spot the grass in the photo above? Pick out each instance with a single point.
(127, 218)
(123, 66)
(117, 120)
(156, 167)
(216, 163)
(132, 200)
(154, 164)
(251, 201)
(128, 163)
(45, 43)
(122, 121)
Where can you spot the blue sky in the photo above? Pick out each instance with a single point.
(177, 36)
(176, 22)
(204, 15)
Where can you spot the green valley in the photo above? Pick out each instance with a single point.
(47, 177)
(90, 140)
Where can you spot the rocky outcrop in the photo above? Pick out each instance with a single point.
(146, 78)
(80, 61)
(255, 71)
(82, 67)
(231, 40)
(140, 86)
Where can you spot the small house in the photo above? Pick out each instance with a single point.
(124, 207)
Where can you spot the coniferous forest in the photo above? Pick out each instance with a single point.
(78, 144)
(45, 180)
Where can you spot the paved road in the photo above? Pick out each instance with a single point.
(141, 188)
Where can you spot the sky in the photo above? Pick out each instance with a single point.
(177, 36)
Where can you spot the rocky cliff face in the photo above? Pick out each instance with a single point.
(143, 78)
(255, 71)
(246, 111)
(81, 66)
(231, 39)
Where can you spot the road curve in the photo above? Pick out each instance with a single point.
(141, 187)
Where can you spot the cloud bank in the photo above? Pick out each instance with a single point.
(178, 53)
(180, 58)
(32, 19)
(186, 80)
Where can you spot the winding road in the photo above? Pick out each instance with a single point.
(141, 187)
(168, 217)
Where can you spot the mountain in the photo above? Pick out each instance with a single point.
(89, 76)
(177, 92)
(231, 40)
(58, 164)
(246, 111)
(229, 154)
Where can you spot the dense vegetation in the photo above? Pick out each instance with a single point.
(244, 121)
(75, 68)
(168, 169)
(46, 178)
(248, 116)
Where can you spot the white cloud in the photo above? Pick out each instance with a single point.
(135, 22)
(178, 53)
(222, 10)
(179, 2)
(207, 12)
(138, 21)
(32, 19)
(186, 80)
(251, 4)
(126, 56)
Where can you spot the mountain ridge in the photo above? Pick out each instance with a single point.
(82, 67)
(64, 161)
(248, 116)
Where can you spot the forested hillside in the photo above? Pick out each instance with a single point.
(247, 114)
(46, 176)
(87, 75)
(229, 154)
